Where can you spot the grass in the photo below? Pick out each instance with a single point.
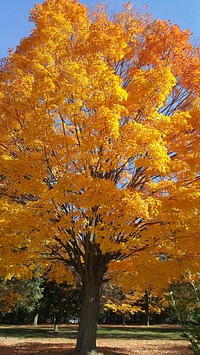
(111, 340)
(37, 332)
(104, 332)
(143, 333)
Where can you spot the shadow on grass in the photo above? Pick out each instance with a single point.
(32, 332)
(70, 332)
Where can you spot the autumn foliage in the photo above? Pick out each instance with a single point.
(99, 148)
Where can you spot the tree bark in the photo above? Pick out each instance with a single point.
(35, 321)
(86, 340)
(56, 323)
(147, 313)
(91, 267)
(147, 318)
(56, 330)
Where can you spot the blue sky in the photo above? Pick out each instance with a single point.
(14, 16)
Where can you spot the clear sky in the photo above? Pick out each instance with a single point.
(14, 16)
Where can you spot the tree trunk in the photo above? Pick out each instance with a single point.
(56, 330)
(147, 318)
(56, 323)
(35, 321)
(86, 340)
(147, 314)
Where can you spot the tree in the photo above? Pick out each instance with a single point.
(20, 298)
(184, 297)
(185, 307)
(59, 301)
(115, 300)
(152, 303)
(99, 147)
(148, 277)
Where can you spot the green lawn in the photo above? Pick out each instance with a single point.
(104, 332)
(140, 333)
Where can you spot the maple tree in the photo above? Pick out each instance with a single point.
(99, 148)
(126, 303)
(114, 300)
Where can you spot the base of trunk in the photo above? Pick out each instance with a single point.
(93, 352)
(35, 321)
(56, 330)
(86, 340)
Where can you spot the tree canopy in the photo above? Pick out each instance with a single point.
(99, 152)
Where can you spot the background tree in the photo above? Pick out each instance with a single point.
(151, 274)
(19, 299)
(185, 293)
(185, 307)
(152, 303)
(99, 147)
(60, 302)
(126, 303)
(114, 300)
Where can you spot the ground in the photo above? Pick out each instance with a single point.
(111, 341)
